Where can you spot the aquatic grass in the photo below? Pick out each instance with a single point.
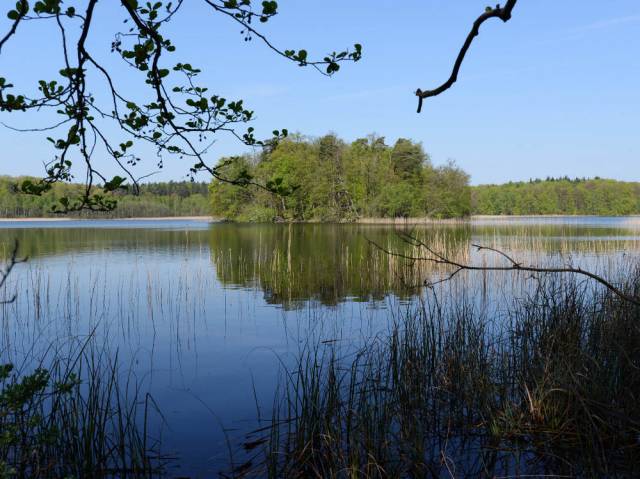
(72, 414)
(549, 388)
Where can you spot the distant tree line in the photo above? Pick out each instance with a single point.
(173, 198)
(326, 179)
(579, 196)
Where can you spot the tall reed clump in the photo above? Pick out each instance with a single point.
(77, 418)
(549, 387)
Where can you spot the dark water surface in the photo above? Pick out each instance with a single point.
(203, 315)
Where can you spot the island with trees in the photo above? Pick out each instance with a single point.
(327, 179)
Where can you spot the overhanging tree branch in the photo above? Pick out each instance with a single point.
(503, 13)
(175, 114)
(16, 15)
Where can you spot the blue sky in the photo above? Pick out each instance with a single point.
(555, 91)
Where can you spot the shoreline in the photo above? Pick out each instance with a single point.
(139, 218)
(493, 217)
(363, 221)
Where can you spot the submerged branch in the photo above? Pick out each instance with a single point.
(438, 258)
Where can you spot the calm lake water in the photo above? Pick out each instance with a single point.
(204, 315)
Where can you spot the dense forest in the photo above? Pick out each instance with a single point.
(181, 198)
(564, 196)
(326, 179)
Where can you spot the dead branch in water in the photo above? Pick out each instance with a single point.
(438, 258)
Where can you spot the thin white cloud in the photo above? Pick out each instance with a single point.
(609, 23)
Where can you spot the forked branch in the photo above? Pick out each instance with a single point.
(503, 13)
(438, 258)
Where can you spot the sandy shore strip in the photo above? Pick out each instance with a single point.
(66, 218)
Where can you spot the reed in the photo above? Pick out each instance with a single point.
(550, 387)
(72, 414)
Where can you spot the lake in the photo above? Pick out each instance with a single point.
(205, 315)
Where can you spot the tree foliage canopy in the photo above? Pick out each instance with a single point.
(561, 196)
(329, 180)
(177, 115)
(173, 198)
